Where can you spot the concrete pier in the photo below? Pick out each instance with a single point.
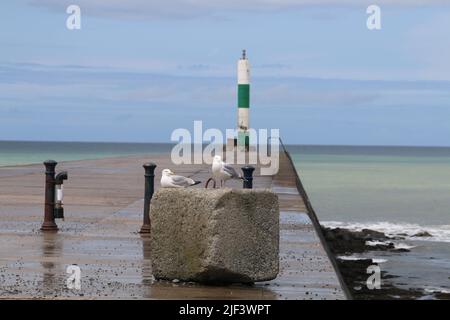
(103, 209)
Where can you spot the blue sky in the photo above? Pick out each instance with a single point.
(139, 69)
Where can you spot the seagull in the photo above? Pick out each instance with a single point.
(223, 171)
(170, 180)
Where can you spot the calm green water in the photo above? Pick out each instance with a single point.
(367, 184)
(399, 191)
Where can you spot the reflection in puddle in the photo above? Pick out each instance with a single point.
(51, 246)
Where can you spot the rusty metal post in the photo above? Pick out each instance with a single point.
(248, 177)
(148, 194)
(49, 218)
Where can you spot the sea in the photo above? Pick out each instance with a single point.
(13, 153)
(400, 191)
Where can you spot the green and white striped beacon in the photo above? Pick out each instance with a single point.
(243, 100)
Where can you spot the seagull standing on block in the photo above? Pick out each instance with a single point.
(223, 171)
(170, 180)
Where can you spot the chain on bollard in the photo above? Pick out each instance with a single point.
(53, 196)
(148, 194)
(248, 177)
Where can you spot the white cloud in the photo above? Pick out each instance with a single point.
(187, 9)
(89, 86)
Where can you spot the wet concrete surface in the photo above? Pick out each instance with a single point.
(103, 208)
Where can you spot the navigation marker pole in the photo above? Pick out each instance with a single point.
(243, 101)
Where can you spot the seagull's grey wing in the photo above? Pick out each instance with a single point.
(230, 170)
(181, 181)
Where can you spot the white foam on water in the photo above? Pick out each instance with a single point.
(403, 246)
(377, 243)
(438, 233)
(437, 290)
(379, 260)
(353, 258)
(396, 245)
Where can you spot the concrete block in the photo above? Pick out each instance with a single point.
(220, 235)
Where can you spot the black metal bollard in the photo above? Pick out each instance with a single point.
(49, 215)
(148, 194)
(248, 177)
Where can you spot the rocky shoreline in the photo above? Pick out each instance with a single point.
(344, 242)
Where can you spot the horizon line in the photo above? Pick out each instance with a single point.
(206, 143)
